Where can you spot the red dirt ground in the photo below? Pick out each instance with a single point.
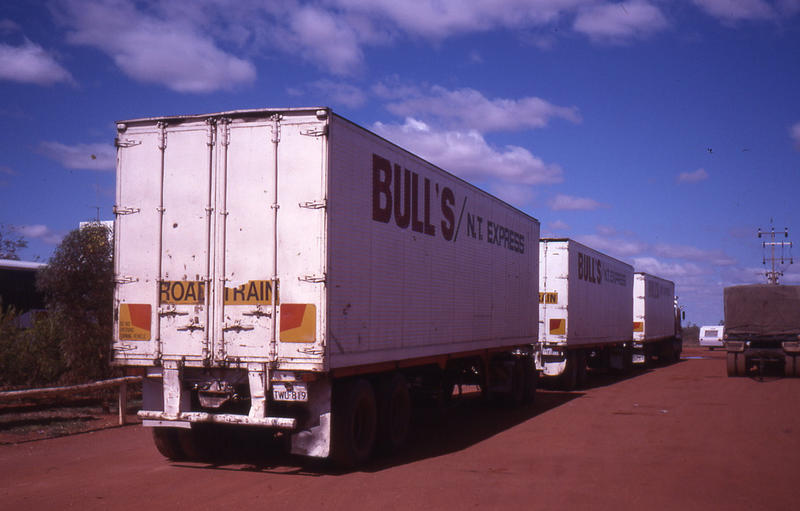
(676, 437)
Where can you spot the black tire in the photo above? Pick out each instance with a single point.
(731, 364)
(569, 378)
(519, 384)
(741, 364)
(531, 380)
(627, 358)
(198, 443)
(168, 444)
(394, 413)
(790, 366)
(354, 423)
(581, 376)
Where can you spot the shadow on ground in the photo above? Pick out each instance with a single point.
(435, 432)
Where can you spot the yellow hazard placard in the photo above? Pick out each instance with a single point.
(298, 322)
(134, 322)
(548, 298)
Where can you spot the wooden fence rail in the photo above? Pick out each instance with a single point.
(122, 383)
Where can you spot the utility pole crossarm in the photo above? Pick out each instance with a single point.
(775, 272)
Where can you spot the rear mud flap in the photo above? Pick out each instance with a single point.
(315, 438)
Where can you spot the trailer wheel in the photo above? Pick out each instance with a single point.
(581, 376)
(741, 364)
(531, 379)
(627, 358)
(790, 366)
(394, 412)
(198, 443)
(569, 378)
(354, 423)
(519, 384)
(731, 364)
(167, 443)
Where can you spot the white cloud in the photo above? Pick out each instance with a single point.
(467, 154)
(563, 202)
(795, 133)
(558, 225)
(438, 19)
(8, 171)
(620, 21)
(617, 247)
(394, 88)
(716, 258)
(40, 232)
(81, 156)
(331, 93)
(606, 230)
(30, 63)
(666, 270)
(150, 49)
(326, 39)
(693, 177)
(515, 194)
(470, 108)
(737, 10)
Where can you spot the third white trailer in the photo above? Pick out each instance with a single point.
(585, 303)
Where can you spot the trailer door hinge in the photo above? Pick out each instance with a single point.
(126, 279)
(317, 131)
(317, 204)
(126, 143)
(118, 210)
(314, 279)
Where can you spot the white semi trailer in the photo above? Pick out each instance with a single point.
(286, 269)
(656, 320)
(585, 303)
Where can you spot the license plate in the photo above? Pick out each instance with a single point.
(293, 392)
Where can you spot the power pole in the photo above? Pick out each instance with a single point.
(772, 245)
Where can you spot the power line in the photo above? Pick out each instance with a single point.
(773, 247)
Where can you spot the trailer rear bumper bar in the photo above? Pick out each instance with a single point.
(220, 418)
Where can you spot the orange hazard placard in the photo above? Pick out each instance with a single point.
(638, 326)
(298, 322)
(558, 326)
(134, 322)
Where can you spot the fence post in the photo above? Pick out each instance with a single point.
(123, 402)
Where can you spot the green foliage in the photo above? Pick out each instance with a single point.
(691, 334)
(10, 243)
(30, 356)
(78, 285)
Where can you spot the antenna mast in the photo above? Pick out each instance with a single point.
(772, 245)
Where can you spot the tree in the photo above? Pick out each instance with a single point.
(691, 334)
(10, 243)
(78, 285)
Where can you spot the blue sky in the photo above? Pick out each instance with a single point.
(662, 132)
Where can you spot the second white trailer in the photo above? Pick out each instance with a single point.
(656, 323)
(585, 302)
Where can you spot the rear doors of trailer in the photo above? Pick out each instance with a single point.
(220, 240)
